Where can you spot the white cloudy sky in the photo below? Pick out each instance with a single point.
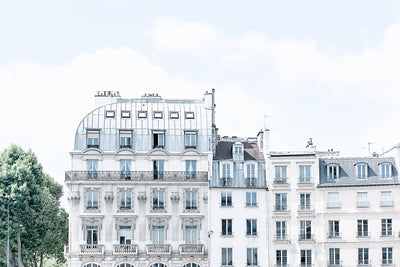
(327, 70)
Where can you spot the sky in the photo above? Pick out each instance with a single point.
(329, 70)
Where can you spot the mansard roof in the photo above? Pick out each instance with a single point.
(251, 151)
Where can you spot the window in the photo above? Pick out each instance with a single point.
(333, 200)
(158, 169)
(226, 226)
(110, 114)
(92, 235)
(334, 256)
(142, 114)
(190, 139)
(125, 265)
(91, 165)
(158, 200)
(333, 171)
(363, 256)
(251, 170)
(305, 258)
(305, 230)
(125, 140)
(305, 173)
(226, 170)
(125, 114)
(158, 234)
(280, 230)
(125, 169)
(386, 199)
(305, 202)
(252, 257)
(251, 227)
(238, 149)
(158, 265)
(280, 173)
(226, 199)
(93, 138)
(158, 139)
(191, 200)
(361, 171)
(158, 115)
(387, 255)
(174, 115)
(281, 258)
(226, 256)
(189, 115)
(386, 227)
(125, 200)
(385, 170)
(362, 228)
(191, 169)
(92, 200)
(91, 265)
(125, 235)
(362, 200)
(281, 202)
(191, 234)
(333, 229)
(251, 199)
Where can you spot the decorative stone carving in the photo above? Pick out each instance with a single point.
(175, 197)
(191, 221)
(125, 221)
(159, 221)
(92, 221)
(109, 197)
(142, 197)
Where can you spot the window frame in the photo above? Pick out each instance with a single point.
(251, 199)
(191, 203)
(228, 259)
(385, 170)
(333, 171)
(142, 114)
(226, 227)
(125, 114)
(189, 115)
(304, 175)
(92, 135)
(281, 231)
(172, 115)
(226, 199)
(334, 201)
(333, 228)
(158, 138)
(361, 170)
(160, 205)
(110, 114)
(363, 256)
(158, 115)
(251, 227)
(125, 139)
(281, 201)
(386, 227)
(387, 255)
(191, 137)
(252, 257)
(362, 228)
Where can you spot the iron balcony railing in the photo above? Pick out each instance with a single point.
(191, 249)
(136, 176)
(126, 249)
(92, 249)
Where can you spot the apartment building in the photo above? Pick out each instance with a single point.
(138, 183)
(238, 204)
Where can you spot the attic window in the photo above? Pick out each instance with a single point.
(158, 115)
(361, 170)
(110, 114)
(333, 171)
(189, 115)
(142, 114)
(238, 149)
(385, 169)
(174, 115)
(125, 114)
(93, 137)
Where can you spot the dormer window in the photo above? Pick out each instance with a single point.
(385, 169)
(93, 137)
(361, 170)
(237, 151)
(333, 171)
(158, 139)
(190, 139)
(110, 114)
(158, 115)
(125, 139)
(226, 170)
(189, 115)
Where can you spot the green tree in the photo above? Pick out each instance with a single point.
(39, 226)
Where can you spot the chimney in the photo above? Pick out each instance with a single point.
(102, 98)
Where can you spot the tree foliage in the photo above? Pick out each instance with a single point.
(36, 218)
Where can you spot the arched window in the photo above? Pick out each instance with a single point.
(124, 265)
(91, 265)
(191, 265)
(158, 265)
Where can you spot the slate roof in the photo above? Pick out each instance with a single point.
(251, 151)
(347, 172)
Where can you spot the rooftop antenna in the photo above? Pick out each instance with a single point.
(369, 147)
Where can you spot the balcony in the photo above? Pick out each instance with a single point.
(386, 204)
(364, 204)
(158, 249)
(333, 206)
(251, 182)
(125, 249)
(281, 238)
(281, 208)
(92, 249)
(306, 237)
(180, 176)
(191, 249)
(306, 208)
(280, 181)
(226, 181)
(304, 180)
